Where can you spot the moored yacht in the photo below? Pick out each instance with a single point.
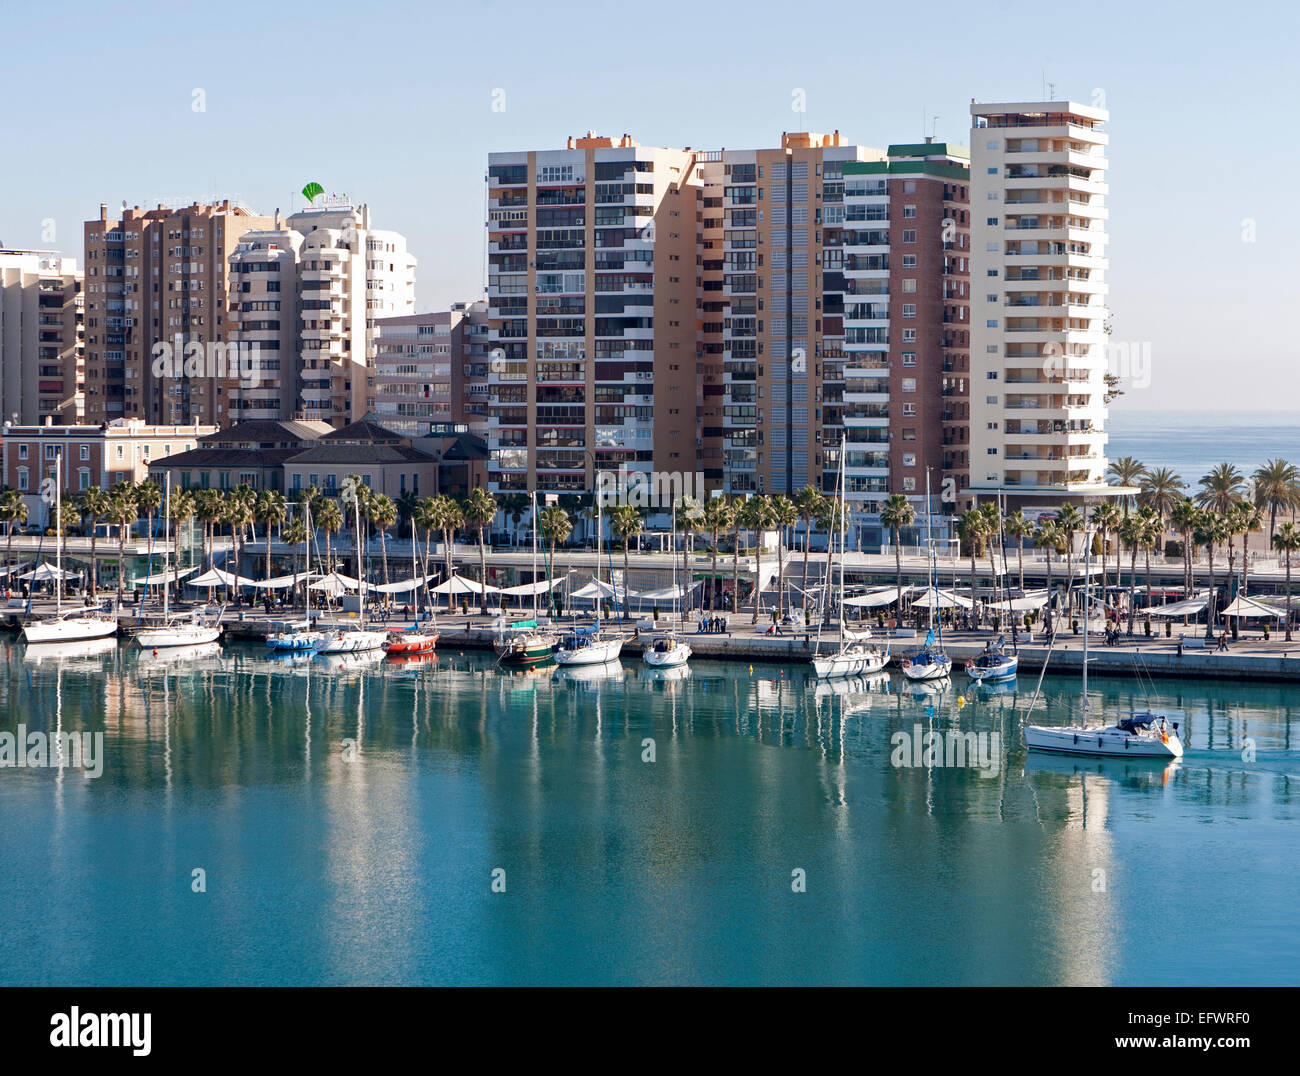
(667, 651)
(994, 665)
(183, 629)
(522, 643)
(71, 626)
(588, 646)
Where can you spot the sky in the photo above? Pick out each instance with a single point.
(399, 104)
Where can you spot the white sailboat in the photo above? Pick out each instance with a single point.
(930, 662)
(77, 623)
(352, 640)
(856, 656)
(667, 649)
(1142, 735)
(589, 646)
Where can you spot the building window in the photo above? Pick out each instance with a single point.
(909, 310)
(990, 399)
(909, 358)
(909, 284)
(909, 235)
(22, 452)
(909, 459)
(909, 484)
(120, 452)
(51, 452)
(909, 384)
(992, 222)
(993, 171)
(992, 375)
(993, 451)
(23, 481)
(909, 336)
(992, 323)
(909, 211)
(909, 410)
(909, 261)
(991, 298)
(83, 479)
(85, 453)
(991, 145)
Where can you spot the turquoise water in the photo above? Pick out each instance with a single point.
(379, 869)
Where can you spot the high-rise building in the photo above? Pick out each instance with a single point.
(307, 293)
(1038, 340)
(592, 290)
(430, 369)
(41, 323)
(158, 277)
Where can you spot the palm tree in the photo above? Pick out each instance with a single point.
(1106, 517)
(383, 513)
(1126, 471)
(828, 519)
(757, 516)
(148, 496)
(1252, 519)
(208, 509)
(294, 534)
(1048, 537)
(93, 503)
(238, 514)
(992, 513)
(1131, 530)
(1185, 516)
(972, 529)
(121, 514)
(625, 523)
(554, 525)
(480, 509)
(424, 515)
(1222, 488)
(1153, 530)
(716, 518)
(1070, 520)
(13, 511)
(515, 506)
(1210, 531)
(1286, 540)
(1017, 526)
(1162, 489)
(451, 518)
(688, 519)
(269, 509)
(896, 513)
(784, 516)
(807, 503)
(328, 516)
(181, 510)
(1277, 488)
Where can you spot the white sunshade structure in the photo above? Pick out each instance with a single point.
(44, 573)
(1189, 607)
(1245, 607)
(665, 594)
(282, 582)
(458, 584)
(942, 599)
(336, 584)
(403, 587)
(217, 578)
(1028, 603)
(527, 590)
(594, 590)
(160, 579)
(875, 599)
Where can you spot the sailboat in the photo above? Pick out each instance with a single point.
(523, 642)
(76, 623)
(930, 662)
(1141, 735)
(352, 640)
(855, 657)
(589, 646)
(419, 638)
(666, 649)
(994, 665)
(179, 629)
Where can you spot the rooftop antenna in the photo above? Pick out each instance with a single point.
(1051, 91)
(934, 127)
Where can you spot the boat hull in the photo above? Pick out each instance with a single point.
(668, 659)
(69, 630)
(407, 643)
(154, 638)
(993, 674)
(850, 663)
(598, 653)
(934, 669)
(1107, 742)
(350, 642)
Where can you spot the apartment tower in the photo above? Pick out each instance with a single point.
(41, 329)
(1038, 266)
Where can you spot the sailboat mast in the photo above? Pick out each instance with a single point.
(483, 583)
(844, 531)
(58, 532)
(356, 509)
(415, 568)
(167, 531)
(929, 541)
(1087, 607)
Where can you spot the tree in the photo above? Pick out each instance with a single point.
(717, 515)
(13, 511)
(1252, 519)
(828, 519)
(1131, 531)
(1286, 540)
(625, 523)
(1162, 489)
(808, 504)
(1048, 537)
(148, 497)
(1106, 517)
(1185, 516)
(479, 510)
(1071, 521)
(1152, 531)
(424, 516)
(896, 513)
(182, 509)
(121, 514)
(93, 503)
(1277, 489)
(1126, 471)
(757, 516)
(1211, 531)
(1222, 488)
(383, 513)
(1018, 527)
(784, 516)
(687, 518)
(554, 525)
(294, 534)
(972, 529)
(451, 518)
(269, 509)
(208, 509)
(992, 513)
(515, 506)
(328, 516)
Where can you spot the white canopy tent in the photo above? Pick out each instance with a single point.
(336, 584)
(527, 590)
(594, 590)
(158, 579)
(1189, 607)
(405, 586)
(941, 599)
(44, 573)
(1028, 603)
(458, 584)
(1245, 607)
(217, 578)
(875, 599)
(282, 582)
(664, 594)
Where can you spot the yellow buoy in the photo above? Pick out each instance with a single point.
(961, 701)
